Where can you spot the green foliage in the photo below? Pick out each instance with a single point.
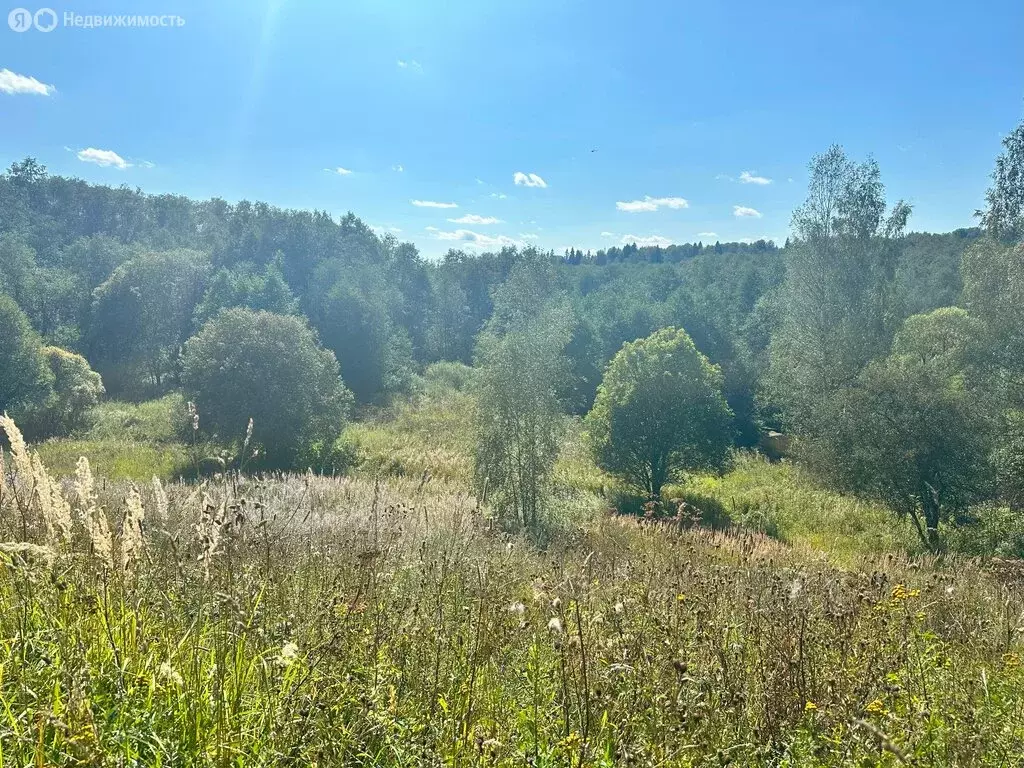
(25, 378)
(163, 421)
(659, 413)
(141, 315)
(269, 368)
(838, 305)
(118, 459)
(994, 294)
(909, 432)
(353, 314)
(76, 389)
(249, 287)
(1004, 216)
(520, 362)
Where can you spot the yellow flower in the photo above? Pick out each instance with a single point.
(810, 706)
(876, 707)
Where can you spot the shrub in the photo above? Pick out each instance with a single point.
(76, 389)
(269, 368)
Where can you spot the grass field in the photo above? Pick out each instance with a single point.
(382, 619)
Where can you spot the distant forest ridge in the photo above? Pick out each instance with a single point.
(125, 278)
(65, 208)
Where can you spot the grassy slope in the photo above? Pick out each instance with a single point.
(432, 434)
(356, 622)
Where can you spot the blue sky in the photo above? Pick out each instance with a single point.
(447, 102)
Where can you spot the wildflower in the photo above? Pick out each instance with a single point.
(556, 603)
(876, 707)
(289, 653)
(555, 625)
(619, 607)
(810, 706)
(169, 674)
(517, 608)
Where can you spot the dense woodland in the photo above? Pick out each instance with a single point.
(892, 356)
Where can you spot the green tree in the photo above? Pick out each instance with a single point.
(911, 432)
(272, 369)
(1004, 215)
(25, 379)
(249, 287)
(659, 413)
(353, 314)
(520, 362)
(142, 314)
(76, 389)
(838, 303)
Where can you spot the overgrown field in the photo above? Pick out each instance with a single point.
(312, 621)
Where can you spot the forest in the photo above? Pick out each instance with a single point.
(116, 295)
(277, 490)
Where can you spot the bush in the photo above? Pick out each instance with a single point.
(76, 389)
(269, 368)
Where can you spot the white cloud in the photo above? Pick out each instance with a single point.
(12, 82)
(607, 234)
(652, 204)
(742, 211)
(410, 64)
(398, 167)
(529, 236)
(748, 177)
(472, 218)
(707, 234)
(723, 177)
(432, 229)
(147, 164)
(498, 195)
(645, 240)
(477, 240)
(103, 157)
(528, 180)
(339, 170)
(432, 204)
(381, 229)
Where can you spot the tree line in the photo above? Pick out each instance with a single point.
(891, 357)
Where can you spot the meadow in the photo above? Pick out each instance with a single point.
(383, 618)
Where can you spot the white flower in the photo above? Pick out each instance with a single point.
(517, 608)
(169, 674)
(555, 625)
(289, 653)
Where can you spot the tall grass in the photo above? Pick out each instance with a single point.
(351, 621)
